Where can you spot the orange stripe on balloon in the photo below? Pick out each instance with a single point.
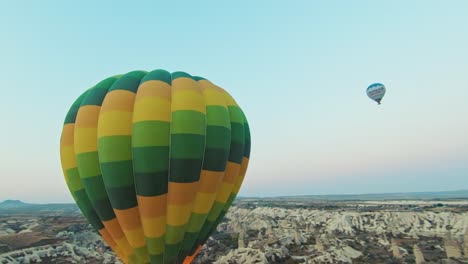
(210, 181)
(128, 218)
(114, 228)
(152, 206)
(88, 116)
(122, 100)
(154, 88)
(68, 134)
(232, 171)
(181, 193)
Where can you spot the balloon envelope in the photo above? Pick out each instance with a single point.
(154, 160)
(376, 92)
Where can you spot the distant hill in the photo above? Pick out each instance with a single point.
(8, 204)
(19, 207)
(460, 194)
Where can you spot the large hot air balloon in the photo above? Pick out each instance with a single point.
(154, 160)
(376, 92)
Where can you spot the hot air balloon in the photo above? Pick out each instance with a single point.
(154, 160)
(376, 92)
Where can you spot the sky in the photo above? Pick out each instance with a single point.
(299, 70)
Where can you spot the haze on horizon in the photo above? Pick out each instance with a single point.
(299, 71)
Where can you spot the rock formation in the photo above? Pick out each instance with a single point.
(418, 255)
(395, 249)
(452, 248)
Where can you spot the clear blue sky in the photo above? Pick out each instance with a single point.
(299, 69)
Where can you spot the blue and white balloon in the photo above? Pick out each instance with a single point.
(376, 92)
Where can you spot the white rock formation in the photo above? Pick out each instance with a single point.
(396, 249)
(465, 244)
(241, 242)
(452, 248)
(319, 245)
(418, 255)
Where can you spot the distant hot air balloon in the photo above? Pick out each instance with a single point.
(154, 160)
(376, 92)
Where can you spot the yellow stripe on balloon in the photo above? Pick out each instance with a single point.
(85, 140)
(203, 202)
(68, 157)
(152, 108)
(178, 214)
(224, 192)
(115, 123)
(211, 95)
(243, 170)
(135, 237)
(188, 100)
(154, 226)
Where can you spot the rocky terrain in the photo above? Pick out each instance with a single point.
(32, 238)
(269, 231)
(341, 232)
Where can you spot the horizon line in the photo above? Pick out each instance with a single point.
(279, 196)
